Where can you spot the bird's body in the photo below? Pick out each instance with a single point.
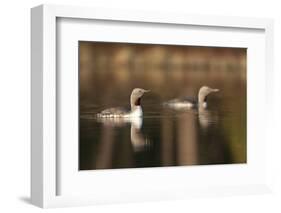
(121, 112)
(191, 102)
(181, 103)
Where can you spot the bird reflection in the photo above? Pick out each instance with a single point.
(206, 117)
(138, 140)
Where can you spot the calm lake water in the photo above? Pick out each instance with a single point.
(162, 137)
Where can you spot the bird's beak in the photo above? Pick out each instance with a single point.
(215, 90)
(146, 90)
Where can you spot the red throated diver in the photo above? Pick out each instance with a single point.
(187, 102)
(118, 112)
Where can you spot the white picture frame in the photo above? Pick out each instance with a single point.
(44, 153)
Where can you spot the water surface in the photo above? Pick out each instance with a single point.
(163, 137)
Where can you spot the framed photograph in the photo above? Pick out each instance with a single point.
(130, 106)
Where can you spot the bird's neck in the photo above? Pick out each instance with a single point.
(135, 103)
(202, 99)
(136, 111)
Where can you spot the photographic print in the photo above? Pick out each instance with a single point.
(154, 105)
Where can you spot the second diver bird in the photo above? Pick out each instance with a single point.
(191, 102)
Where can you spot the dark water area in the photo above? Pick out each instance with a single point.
(163, 136)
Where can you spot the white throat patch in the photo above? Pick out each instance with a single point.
(137, 112)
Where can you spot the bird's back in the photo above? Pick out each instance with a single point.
(114, 112)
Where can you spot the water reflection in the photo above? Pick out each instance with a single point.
(139, 142)
(187, 140)
(163, 136)
(207, 117)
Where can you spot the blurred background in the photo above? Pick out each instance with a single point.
(108, 73)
